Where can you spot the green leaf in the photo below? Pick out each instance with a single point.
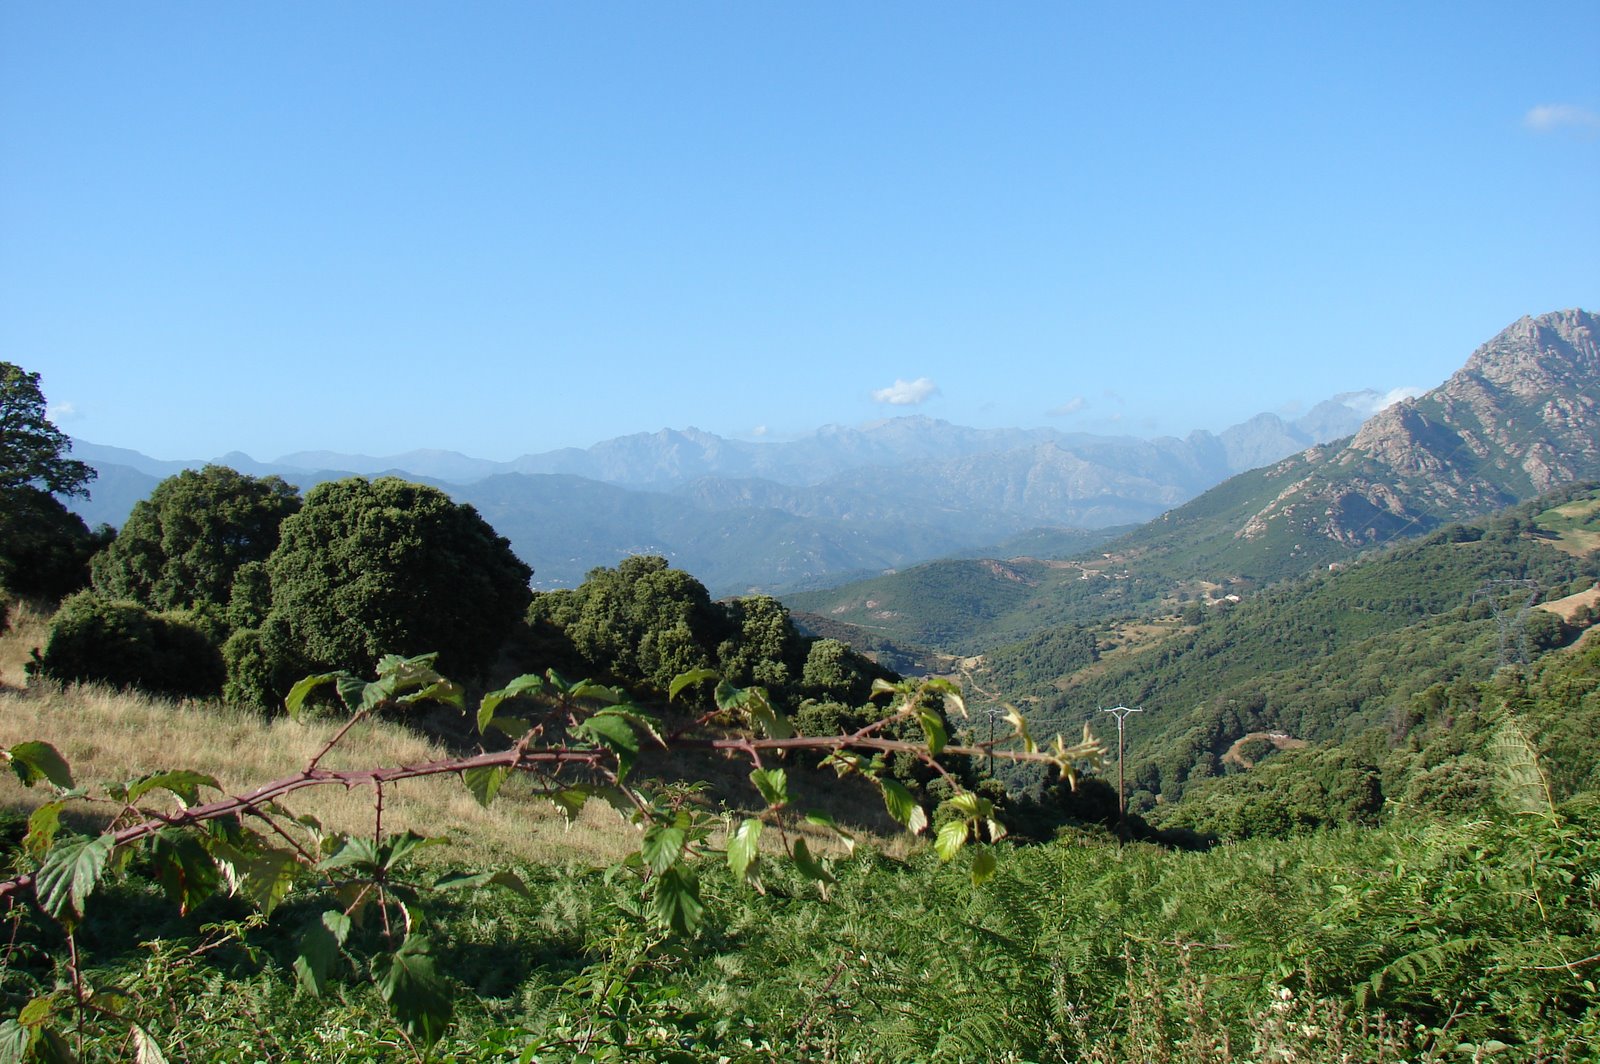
(755, 704)
(416, 995)
(464, 880)
(663, 843)
(903, 807)
(823, 820)
(266, 878)
(522, 686)
(14, 1042)
(952, 836)
(509, 726)
(984, 863)
(615, 734)
(688, 679)
(933, 728)
(145, 1048)
(42, 827)
(357, 850)
(773, 783)
(484, 782)
(298, 693)
(70, 871)
(809, 866)
(744, 853)
(181, 782)
(184, 868)
(677, 899)
(319, 951)
(35, 761)
(880, 686)
(571, 802)
(396, 848)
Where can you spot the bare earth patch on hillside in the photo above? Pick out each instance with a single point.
(1567, 608)
(1281, 740)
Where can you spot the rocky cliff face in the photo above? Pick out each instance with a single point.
(1522, 416)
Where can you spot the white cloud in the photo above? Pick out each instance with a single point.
(61, 412)
(1370, 402)
(758, 431)
(907, 393)
(1071, 406)
(1554, 117)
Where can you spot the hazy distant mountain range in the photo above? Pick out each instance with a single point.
(841, 501)
(1521, 417)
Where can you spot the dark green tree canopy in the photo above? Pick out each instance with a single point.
(44, 547)
(182, 547)
(32, 450)
(368, 568)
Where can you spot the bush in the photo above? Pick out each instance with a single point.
(121, 643)
(369, 568)
(181, 547)
(250, 679)
(44, 547)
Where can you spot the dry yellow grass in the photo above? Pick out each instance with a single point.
(108, 735)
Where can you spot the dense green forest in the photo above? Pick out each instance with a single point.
(1364, 802)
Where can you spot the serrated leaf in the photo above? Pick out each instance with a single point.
(773, 783)
(744, 853)
(266, 878)
(688, 679)
(809, 866)
(35, 761)
(522, 686)
(509, 726)
(184, 868)
(357, 850)
(396, 848)
(880, 686)
(933, 728)
(663, 844)
(1019, 728)
(952, 836)
(145, 1048)
(984, 863)
(43, 824)
(595, 692)
(824, 820)
(615, 734)
(955, 702)
(756, 704)
(416, 995)
(570, 801)
(14, 1041)
(463, 880)
(677, 899)
(484, 781)
(451, 694)
(902, 806)
(181, 782)
(70, 871)
(319, 951)
(301, 690)
(37, 1011)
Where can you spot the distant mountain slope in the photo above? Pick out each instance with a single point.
(1522, 416)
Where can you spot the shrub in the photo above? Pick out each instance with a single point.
(93, 639)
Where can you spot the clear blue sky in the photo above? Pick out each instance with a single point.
(503, 228)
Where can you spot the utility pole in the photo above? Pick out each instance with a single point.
(1121, 713)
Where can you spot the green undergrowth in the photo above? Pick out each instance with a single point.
(1447, 941)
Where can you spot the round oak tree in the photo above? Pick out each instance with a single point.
(182, 547)
(368, 568)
